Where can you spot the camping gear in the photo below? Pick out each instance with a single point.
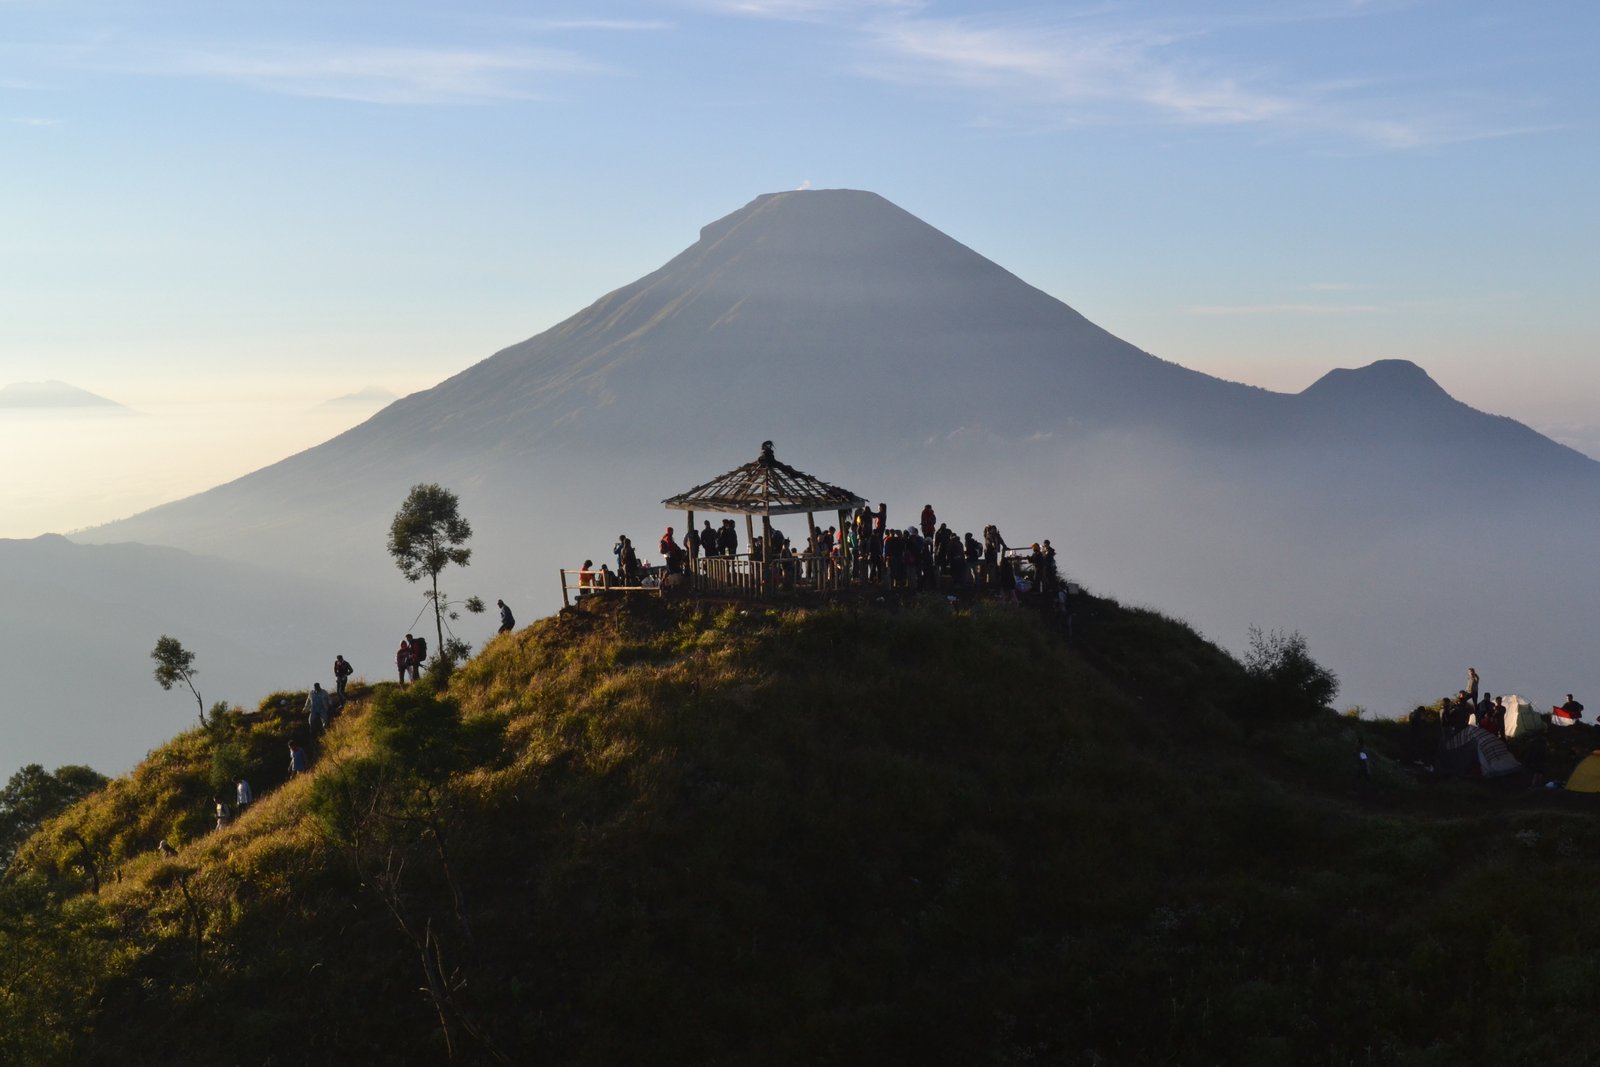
(1474, 750)
(1521, 717)
(1586, 775)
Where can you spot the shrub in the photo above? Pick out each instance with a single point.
(1285, 678)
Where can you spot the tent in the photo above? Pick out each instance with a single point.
(1586, 775)
(1475, 749)
(1521, 717)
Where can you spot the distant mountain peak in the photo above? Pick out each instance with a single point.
(51, 394)
(371, 397)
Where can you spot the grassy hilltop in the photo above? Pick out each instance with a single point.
(640, 832)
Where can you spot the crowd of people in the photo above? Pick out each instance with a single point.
(1468, 708)
(866, 550)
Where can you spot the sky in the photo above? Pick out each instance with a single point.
(224, 214)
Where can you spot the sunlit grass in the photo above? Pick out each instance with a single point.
(842, 832)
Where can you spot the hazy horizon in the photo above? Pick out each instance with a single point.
(225, 204)
(99, 471)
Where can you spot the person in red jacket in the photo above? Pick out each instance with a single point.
(402, 658)
(929, 521)
(671, 554)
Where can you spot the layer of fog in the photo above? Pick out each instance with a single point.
(72, 468)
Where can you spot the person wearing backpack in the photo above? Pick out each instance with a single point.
(507, 623)
(419, 654)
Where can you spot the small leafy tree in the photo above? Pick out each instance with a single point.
(175, 664)
(33, 795)
(1287, 678)
(427, 535)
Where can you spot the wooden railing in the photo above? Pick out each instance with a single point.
(747, 577)
(573, 585)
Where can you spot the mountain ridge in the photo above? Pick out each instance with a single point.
(889, 358)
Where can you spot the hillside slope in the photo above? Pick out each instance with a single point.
(667, 834)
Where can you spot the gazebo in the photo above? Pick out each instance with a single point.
(763, 487)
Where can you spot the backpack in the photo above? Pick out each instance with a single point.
(419, 650)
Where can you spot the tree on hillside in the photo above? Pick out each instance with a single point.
(33, 795)
(427, 535)
(1281, 666)
(392, 813)
(175, 664)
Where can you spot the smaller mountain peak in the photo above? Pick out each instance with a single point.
(1387, 379)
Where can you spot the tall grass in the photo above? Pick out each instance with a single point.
(684, 833)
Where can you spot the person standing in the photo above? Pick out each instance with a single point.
(341, 673)
(1494, 719)
(243, 795)
(298, 764)
(402, 658)
(1006, 578)
(1472, 685)
(507, 623)
(929, 521)
(317, 708)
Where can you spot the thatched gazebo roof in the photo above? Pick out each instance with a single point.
(764, 487)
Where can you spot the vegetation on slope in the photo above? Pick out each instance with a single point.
(643, 832)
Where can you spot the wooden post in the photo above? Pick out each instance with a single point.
(750, 538)
(844, 564)
(811, 548)
(766, 550)
(691, 573)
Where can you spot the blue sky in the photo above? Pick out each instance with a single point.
(257, 207)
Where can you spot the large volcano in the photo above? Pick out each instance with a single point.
(884, 356)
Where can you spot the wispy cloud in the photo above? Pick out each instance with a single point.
(601, 25)
(1314, 310)
(380, 75)
(24, 120)
(1064, 63)
(1332, 287)
(1108, 63)
(808, 10)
